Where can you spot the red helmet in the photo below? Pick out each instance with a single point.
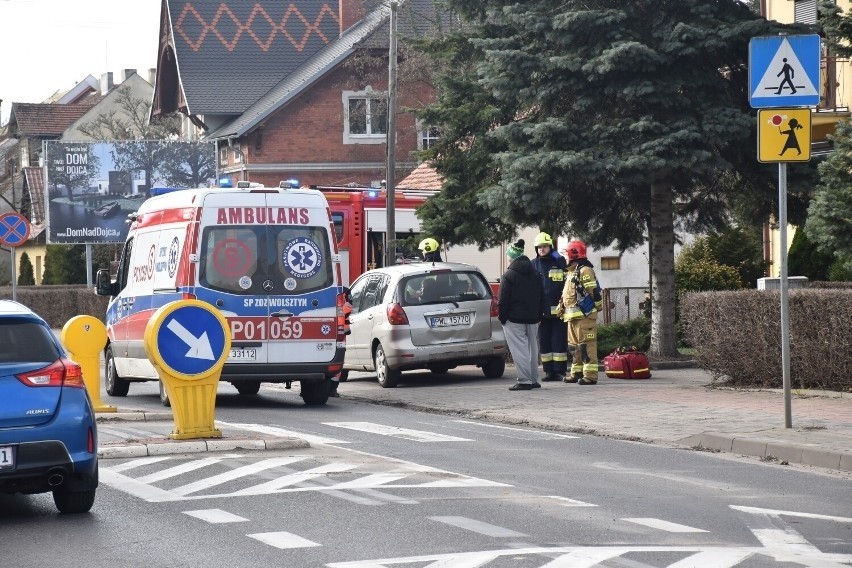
(575, 249)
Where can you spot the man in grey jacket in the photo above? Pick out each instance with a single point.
(521, 304)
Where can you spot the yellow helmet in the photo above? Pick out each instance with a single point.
(543, 239)
(428, 245)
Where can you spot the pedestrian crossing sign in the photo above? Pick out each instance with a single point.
(784, 71)
(784, 135)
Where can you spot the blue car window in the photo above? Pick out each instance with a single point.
(25, 342)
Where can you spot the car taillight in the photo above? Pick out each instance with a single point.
(495, 309)
(61, 373)
(396, 315)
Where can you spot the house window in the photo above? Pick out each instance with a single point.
(428, 137)
(223, 156)
(365, 117)
(610, 263)
(238, 153)
(805, 11)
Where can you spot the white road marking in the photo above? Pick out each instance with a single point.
(726, 558)
(664, 525)
(479, 527)
(396, 432)
(779, 513)
(275, 431)
(129, 485)
(283, 540)
(139, 462)
(565, 501)
(249, 469)
(570, 556)
(697, 480)
(215, 516)
(295, 478)
(178, 470)
(522, 430)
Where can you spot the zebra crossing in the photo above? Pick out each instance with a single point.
(158, 479)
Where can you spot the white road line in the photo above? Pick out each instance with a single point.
(664, 525)
(566, 502)
(294, 478)
(525, 431)
(367, 481)
(778, 513)
(139, 462)
(249, 469)
(283, 540)
(478, 527)
(215, 516)
(129, 485)
(275, 431)
(178, 470)
(725, 558)
(585, 558)
(396, 432)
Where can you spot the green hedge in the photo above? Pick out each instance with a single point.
(58, 304)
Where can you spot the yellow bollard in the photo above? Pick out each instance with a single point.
(188, 342)
(85, 337)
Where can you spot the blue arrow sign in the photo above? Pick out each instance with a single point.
(783, 71)
(191, 340)
(14, 229)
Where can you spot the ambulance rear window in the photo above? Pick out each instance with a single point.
(269, 259)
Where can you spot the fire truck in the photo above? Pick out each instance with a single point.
(360, 223)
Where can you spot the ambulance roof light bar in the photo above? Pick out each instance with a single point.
(288, 184)
(248, 184)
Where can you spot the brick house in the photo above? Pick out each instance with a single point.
(279, 88)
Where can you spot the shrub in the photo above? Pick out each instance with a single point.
(58, 304)
(804, 259)
(697, 269)
(27, 276)
(631, 332)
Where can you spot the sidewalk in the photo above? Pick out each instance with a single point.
(676, 408)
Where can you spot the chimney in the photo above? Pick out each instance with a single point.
(351, 12)
(106, 83)
(152, 76)
(126, 74)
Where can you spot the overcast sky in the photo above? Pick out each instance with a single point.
(51, 45)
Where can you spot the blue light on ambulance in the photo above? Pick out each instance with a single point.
(225, 181)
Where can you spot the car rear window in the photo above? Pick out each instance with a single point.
(444, 287)
(23, 341)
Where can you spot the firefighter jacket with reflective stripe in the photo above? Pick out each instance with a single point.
(579, 272)
(552, 269)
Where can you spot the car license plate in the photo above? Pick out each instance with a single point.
(7, 458)
(449, 321)
(243, 355)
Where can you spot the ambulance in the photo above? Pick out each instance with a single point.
(265, 257)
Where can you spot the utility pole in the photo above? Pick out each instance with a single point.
(390, 199)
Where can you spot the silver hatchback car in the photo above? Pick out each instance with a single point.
(424, 315)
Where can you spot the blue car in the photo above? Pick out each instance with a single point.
(48, 434)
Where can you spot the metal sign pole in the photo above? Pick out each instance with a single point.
(390, 186)
(785, 308)
(88, 265)
(14, 276)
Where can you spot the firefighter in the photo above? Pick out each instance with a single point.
(552, 334)
(346, 310)
(431, 250)
(581, 301)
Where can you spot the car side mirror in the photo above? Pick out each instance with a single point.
(103, 284)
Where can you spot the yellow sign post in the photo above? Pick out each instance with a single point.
(188, 342)
(85, 337)
(784, 135)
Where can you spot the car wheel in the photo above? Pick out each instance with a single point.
(164, 395)
(73, 501)
(388, 378)
(115, 385)
(439, 369)
(316, 393)
(247, 388)
(494, 367)
(344, 376)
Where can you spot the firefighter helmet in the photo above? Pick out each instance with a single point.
(575, 249)
(428, 245)
(543, 239)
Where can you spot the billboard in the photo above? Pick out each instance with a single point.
(91, 187)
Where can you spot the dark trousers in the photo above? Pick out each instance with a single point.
(553, 345)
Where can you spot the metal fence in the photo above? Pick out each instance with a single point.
(622, 304)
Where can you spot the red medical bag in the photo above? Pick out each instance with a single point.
(627, 363)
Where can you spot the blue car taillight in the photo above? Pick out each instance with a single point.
(61, 373)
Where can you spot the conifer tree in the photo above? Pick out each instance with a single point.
(26, 276)
(601, 118)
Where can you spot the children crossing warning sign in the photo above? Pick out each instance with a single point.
(784, 71)
(784, 135)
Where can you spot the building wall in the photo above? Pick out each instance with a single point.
(305, 140)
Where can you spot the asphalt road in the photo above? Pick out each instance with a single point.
(382, 486)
